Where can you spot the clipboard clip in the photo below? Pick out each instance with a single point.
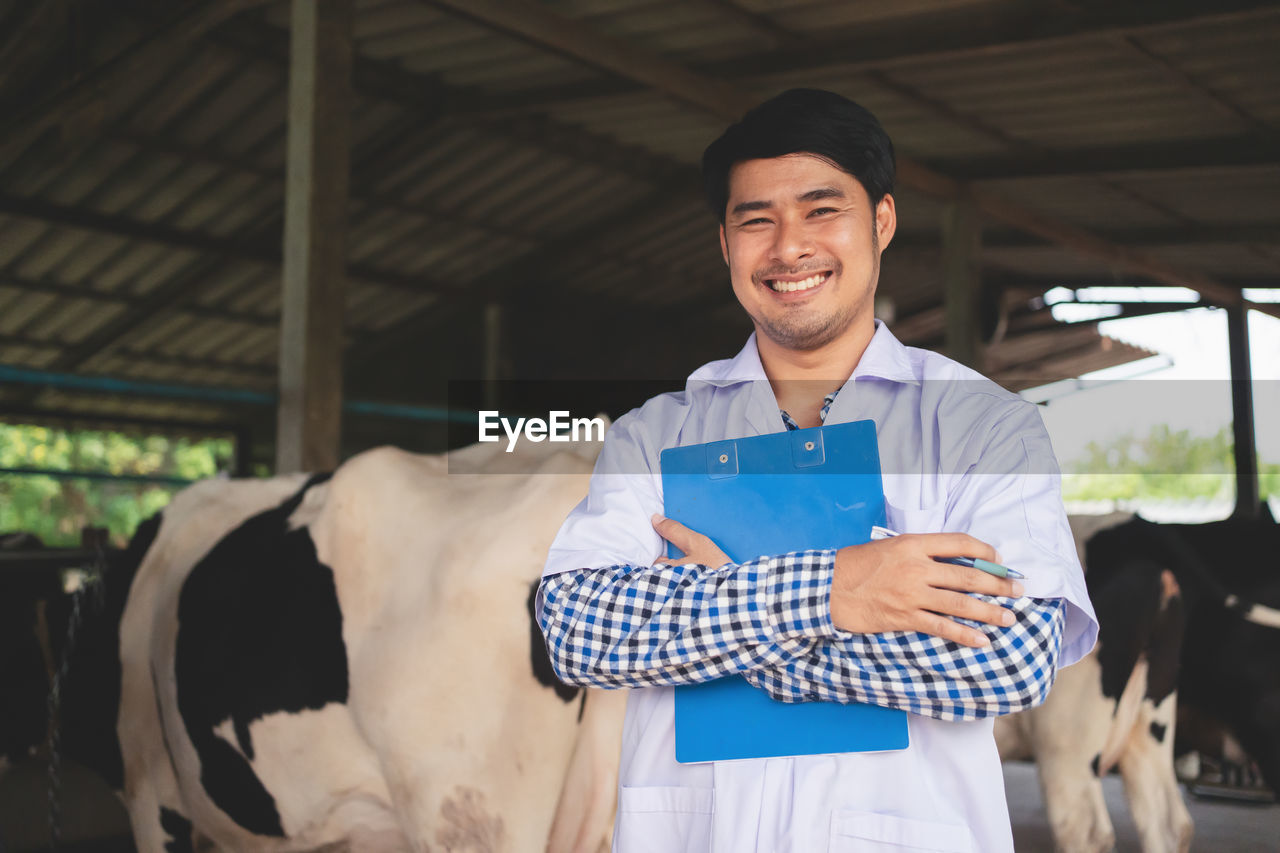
(807, 449)
(722, 459)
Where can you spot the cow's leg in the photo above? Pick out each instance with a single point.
(1075, 805)
(157, 813)
(1069, 732)
(584, 815)
(157, 818)
(1164, 825)
(1012, 741)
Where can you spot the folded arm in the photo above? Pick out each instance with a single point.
(770, 620)
(929, 675)
(642, 626)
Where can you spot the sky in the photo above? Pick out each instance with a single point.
(1184, 386)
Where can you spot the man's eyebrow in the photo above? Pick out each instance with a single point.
(821, 193)
(748, 206)
(812, 195)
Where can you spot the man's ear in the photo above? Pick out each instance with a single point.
(886, 221)
(724, 247)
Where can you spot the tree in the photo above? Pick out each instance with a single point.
(56, 508)
(1165, 465)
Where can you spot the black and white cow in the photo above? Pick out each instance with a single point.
(349, 662)
(1187, 625)
(1229, 572)
(1114, 708)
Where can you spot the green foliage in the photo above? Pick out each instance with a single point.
(1165, 465)
(55, 509)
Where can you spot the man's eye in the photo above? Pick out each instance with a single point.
(822, 211)
(757, 221)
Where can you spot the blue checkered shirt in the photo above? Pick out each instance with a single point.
(769, 620)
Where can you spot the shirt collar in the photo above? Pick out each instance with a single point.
(884, 358)
(743, 367)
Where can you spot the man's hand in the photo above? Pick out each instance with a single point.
(896, 585)
(695, 547)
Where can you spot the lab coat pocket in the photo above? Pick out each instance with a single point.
(664, 820)
(867, 832)
(909, 519)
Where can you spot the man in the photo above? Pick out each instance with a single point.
(803, 190)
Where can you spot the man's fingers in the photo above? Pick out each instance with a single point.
(672, 531)
(949, 629)
(693, 546)
(956, 545)
(966, 579)
(957, 604)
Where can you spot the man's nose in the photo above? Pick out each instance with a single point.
(792, 243)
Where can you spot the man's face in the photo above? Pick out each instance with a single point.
(803, 245)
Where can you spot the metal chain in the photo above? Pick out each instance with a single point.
(91, 586)
(4, 848)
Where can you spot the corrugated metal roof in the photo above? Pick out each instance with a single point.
(480, 157)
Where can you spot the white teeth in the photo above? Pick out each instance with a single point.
(803, 284)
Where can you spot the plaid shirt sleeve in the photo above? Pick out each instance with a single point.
(770, 620)
(645, 626)
(928, 675)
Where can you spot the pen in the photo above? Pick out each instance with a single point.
(987, 566)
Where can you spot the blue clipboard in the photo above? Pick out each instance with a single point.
(767, 495)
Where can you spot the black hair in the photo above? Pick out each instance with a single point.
(803, 120)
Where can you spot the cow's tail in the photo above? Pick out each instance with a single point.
(1139, 647)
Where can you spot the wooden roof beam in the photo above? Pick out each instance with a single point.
(1249, 150)
(495, 284)
(111, 297)
(1186, 81)
(540, 26)
(761, 25)
(426, 96)
(904, 46)
(374, 201)
(368, 165)
(166, 42)
(1178, 235)
(257, 371)
(254, 251)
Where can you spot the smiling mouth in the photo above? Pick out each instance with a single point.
(781, 286)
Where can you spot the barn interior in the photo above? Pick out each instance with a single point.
(318, 227)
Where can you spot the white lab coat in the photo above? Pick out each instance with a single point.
(958, 454)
